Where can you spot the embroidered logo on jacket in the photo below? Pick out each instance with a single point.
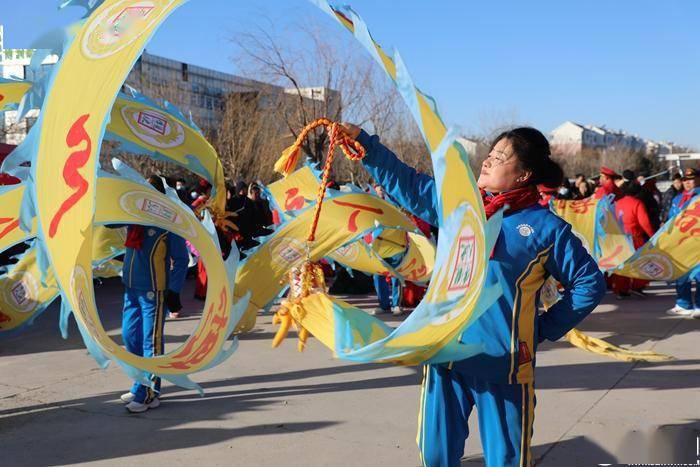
(525, 230)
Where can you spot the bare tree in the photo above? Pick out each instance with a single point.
(322, 79)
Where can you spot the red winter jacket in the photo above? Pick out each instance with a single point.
(635, 219)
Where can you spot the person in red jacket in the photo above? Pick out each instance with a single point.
(607, 183)
(635, 221)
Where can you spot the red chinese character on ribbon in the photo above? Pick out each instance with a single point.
(197, 350)
(77, 160)
(607, 261)
(293, 202)
(352, 220)
(688, 221)
(581, 206)
(13, 224)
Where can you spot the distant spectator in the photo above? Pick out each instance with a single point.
(565, 191)
(388, 287)
(608, 183)
(242, 206)
(583, 190)
(261, 213)
(636, 223)
(667, 198)
(181, 190)
(651, 197)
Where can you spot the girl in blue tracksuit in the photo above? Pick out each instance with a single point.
(533, 244)
(155, 266)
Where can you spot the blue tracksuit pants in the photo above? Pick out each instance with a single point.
(684, 293)
(143, 321)
(505, 411)
(389, 295)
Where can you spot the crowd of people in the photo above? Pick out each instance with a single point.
(642, 209)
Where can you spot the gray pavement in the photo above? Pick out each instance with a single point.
(280, 407)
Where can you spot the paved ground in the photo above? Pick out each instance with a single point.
(279, 407)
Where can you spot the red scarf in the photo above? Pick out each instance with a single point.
(516, 200)
(687, 194)
(608, 188)
(134, 237)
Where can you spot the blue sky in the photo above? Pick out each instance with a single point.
(633, 65)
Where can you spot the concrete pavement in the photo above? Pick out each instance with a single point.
(279, 407)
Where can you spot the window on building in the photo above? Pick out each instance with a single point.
(185, 72)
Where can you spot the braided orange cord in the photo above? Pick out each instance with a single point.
(310, 274)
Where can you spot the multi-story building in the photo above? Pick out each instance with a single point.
(196, 90)
(572, 138)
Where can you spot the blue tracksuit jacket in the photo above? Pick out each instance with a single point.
(149, 268)
(676, 203)
(533, 244)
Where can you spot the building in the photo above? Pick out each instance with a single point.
(572, 138)
(14, 63)
(199, 91)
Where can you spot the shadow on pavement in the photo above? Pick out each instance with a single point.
(657, 445)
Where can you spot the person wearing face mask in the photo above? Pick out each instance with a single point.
(685, 305)
(181, 190)
(532, 245)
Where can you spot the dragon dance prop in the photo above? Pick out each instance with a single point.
(454, 299)
(292, 193)
(456, 296)
(62, 211)
(65, 217)
(594, 222)
(612, 249)
(672, 253)
(141, 126)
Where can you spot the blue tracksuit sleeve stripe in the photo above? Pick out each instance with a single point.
(411, 189)
(584, 286)
(177, 251)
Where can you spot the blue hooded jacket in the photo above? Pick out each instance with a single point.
(160, 263)
(533, 244)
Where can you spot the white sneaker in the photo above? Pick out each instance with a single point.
(696, 313)
(396, 310)
(679, 311)
(137, 407)
(378, 311)
(127, 397)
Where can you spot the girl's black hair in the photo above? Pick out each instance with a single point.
(531, 148)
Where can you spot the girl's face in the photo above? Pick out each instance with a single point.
(501, 171)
